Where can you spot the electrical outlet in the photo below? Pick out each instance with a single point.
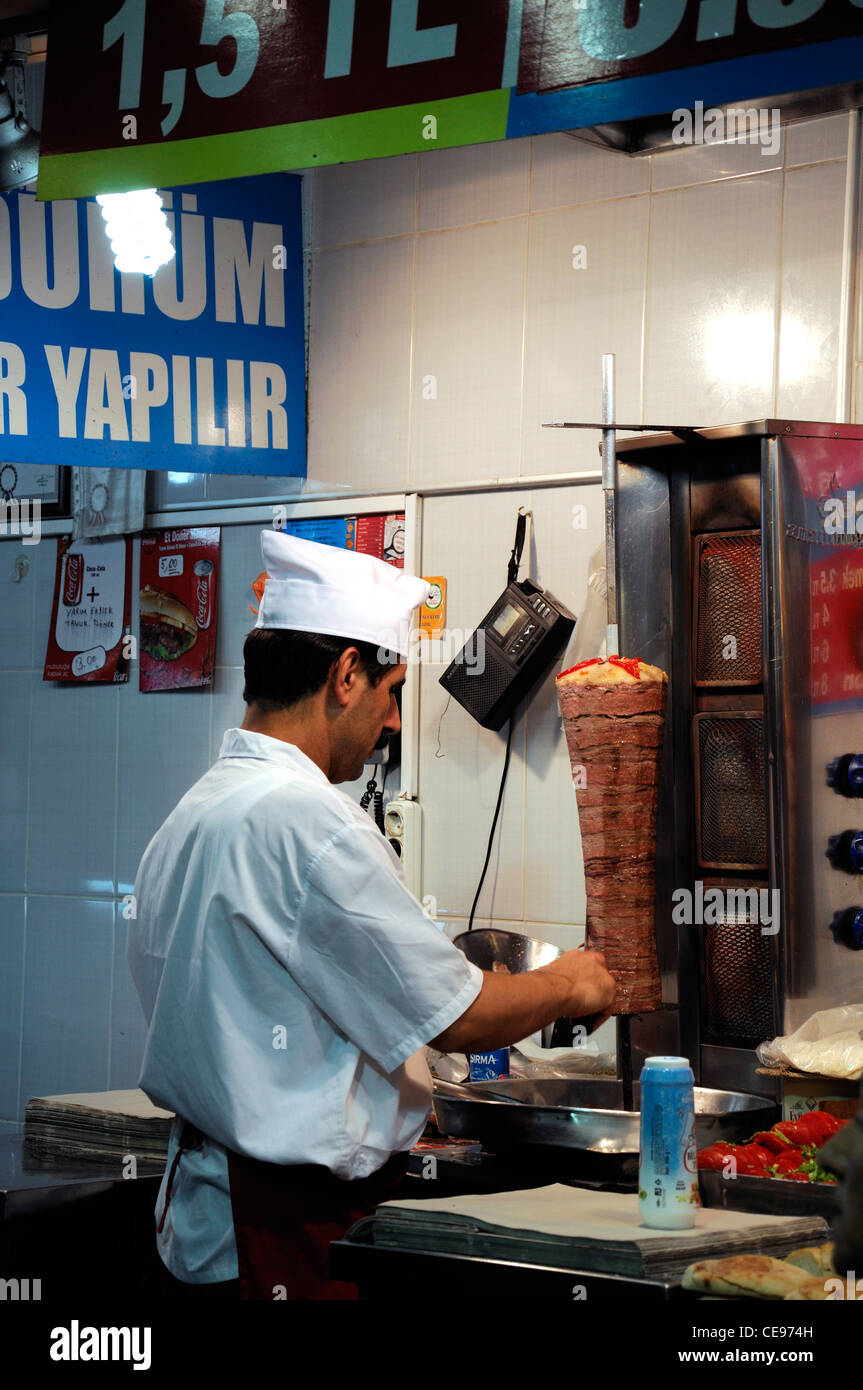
(402, 827)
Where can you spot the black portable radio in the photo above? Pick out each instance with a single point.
(514, 645)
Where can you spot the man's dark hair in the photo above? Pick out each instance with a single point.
(282, 666)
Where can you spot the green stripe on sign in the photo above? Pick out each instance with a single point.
(469, 120)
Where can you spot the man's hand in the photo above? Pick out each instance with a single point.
(511, 1007)
(592, 988)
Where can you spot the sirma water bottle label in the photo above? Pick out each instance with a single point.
(489, 1066)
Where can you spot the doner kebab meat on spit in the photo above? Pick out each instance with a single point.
(614, 718)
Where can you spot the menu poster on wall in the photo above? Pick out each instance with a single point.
(91, 614)
(323, 530)
(382, 536)
(179, 591)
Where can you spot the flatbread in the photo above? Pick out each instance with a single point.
(747, 1276)
(815, 1259)
(813, 1291)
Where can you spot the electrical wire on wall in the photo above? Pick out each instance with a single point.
(494, 822)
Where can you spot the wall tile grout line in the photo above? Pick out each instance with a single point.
(109, 1049)
(413, 328)
(524, 303)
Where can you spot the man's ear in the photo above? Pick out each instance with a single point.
(344, 674)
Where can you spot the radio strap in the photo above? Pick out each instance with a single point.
(515, 557)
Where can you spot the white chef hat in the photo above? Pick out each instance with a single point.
(342, 593)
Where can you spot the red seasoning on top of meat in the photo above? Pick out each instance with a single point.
(614, 719)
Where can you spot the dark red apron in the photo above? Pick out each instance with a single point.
(285, 1217)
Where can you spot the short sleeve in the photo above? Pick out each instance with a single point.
(366, 954)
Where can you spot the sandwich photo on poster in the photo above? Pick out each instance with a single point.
(178, 595)
(90, 637)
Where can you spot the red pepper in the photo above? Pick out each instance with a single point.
(630, 664)
(780, 1148)
(752, 1160)
(787, 1162)
(815, 1128)
(580, 665)
(713, 1158)
(749, 1158)
(627, 663)
(769, 1139)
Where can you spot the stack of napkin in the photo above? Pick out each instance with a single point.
(573, 1228)
(101, 1126)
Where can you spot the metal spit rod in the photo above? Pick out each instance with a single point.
(609, 488)
(612, 639)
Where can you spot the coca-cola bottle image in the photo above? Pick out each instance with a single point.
(73, 579)
(203, 593)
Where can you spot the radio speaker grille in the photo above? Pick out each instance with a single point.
(477, 696)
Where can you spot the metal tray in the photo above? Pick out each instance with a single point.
(771, 1196)
(583, 1115)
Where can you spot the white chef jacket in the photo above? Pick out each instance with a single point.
(289, 978)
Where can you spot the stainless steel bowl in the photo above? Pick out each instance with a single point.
(546, 1113)
(488, 946)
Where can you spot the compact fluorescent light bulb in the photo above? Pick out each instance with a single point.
(137, 229)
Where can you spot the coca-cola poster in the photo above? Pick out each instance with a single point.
(90, 637)
(178, 593)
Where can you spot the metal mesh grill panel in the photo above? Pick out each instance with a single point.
(738, 973)
(728, 609)
(732, 819)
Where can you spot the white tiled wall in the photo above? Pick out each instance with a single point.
(448, 322)
(535, 869)
(87, 775)
(695, 260)
(714, 274)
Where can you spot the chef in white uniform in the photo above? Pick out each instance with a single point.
(289, 977)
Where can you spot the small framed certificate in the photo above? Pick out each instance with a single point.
(28, 481)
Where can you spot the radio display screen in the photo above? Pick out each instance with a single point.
(505, 620)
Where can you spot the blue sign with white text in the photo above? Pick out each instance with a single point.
(200, 368)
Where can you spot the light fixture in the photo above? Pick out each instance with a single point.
(137, 229)
(19, 145)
